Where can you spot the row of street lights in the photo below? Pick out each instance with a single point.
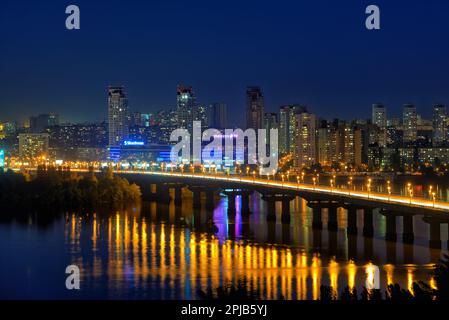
(315, 180)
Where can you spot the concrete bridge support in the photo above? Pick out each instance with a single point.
(408, 235)
(210, 194)
(332, 223)
(368, 227)
(196, 195)
(352, 219)
(232, 194)
(435, 231)
(162, 193)
(271, 201)
(390, 233)
(317, 221)
(178, 196)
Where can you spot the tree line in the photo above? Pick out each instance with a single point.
(51, 190)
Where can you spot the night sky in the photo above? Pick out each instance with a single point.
(317, 53)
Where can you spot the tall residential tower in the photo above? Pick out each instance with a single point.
(118, 115)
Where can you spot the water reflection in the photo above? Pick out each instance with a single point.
(147, 258)
(169, 252)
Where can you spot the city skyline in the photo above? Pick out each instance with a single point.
(404, 62)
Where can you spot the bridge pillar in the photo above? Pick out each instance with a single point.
(271, 212)
(317, 222)
(245, 204)
(196, 194)
(271, 201)
(368, 228)
(210, 200)
(162, 194)
(285, 217)
(434, 230)
(231, 203)
(407, 233)
(390, 234)
(352, 219)
(332, 223)
(178, 196)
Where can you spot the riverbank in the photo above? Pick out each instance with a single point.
(51, 190)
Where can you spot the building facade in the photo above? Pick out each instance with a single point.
(118, 116)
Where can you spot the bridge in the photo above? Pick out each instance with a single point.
(392, 202)
(318, 197)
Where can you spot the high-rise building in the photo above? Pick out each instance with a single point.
(325, 137)
(379, 117)
(270, 121)
(410, 123)
(305, 151)
(254, 108)
(287, 127)
(202, 113)
(439, 125)
(118, 115)
(33, 145)
(218, 118)
(185, 106)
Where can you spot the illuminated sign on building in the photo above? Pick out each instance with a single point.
(133, 143)
(2, 158)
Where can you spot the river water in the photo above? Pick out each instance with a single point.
(157, 251)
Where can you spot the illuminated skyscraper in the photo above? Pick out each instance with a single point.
(410, 123)
(305, 151)
(254, 108)
(185, 106)
(379, 117)
(439, 125)
(287, 127)
(118, 115)
(270, 121)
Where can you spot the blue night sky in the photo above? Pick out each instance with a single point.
(317, 53)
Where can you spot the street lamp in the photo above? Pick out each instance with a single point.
(430, 190)
(350, 184)
(389, 193)
(314, 182)
(368, 186)
(433, 198)
(410, 191)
